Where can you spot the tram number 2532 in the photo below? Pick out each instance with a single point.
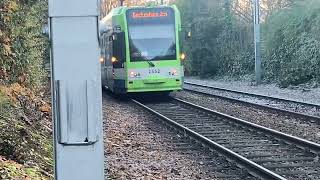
(154, 71)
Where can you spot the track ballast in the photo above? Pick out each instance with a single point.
(265, 152)
(307, 111)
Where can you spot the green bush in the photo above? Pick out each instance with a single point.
(4, 104)
(23, 137)
(22, 47)
(292, 38)
(220, 44)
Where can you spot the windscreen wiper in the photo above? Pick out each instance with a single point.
(150, 62)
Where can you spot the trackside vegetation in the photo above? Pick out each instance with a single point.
(292, 44)
(222, 40)
(22, 47)
(26, 150)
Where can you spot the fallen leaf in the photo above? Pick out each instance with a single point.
(45, 108)
(7, 49)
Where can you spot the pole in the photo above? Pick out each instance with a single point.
(257, 41)
(121, 2)
(76, 90)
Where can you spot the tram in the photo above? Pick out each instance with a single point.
(140, 50)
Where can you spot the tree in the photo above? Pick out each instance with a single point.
(219, 40)
(108, 5)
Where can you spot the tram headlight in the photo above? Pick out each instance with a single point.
(101, 59)
(135, 74)
(174, 72)
(132, 74)
(183, 56)
(114, 59)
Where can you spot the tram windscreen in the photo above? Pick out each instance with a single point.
(152, 34)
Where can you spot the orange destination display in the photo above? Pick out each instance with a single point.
(145, 16)
(149, 14)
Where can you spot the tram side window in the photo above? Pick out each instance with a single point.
(119, 49)
(108, 51)
(102, 48)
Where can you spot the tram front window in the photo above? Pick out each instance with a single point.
(152, 38)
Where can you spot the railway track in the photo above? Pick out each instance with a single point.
(167, 150)
(210, 162)
(264, 152)
(306, 111)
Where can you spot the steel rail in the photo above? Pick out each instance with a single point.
(285, 111)
(254, 94)
(252, 166)
(293, 139)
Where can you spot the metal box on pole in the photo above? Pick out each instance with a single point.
(76, 89)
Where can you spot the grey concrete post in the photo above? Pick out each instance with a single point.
(76, 89)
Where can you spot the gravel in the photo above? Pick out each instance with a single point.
(138, 146)
(283, 123)
(294, 93)
(262, 148)
(289, 106)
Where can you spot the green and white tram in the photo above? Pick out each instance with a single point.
(140, 50)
